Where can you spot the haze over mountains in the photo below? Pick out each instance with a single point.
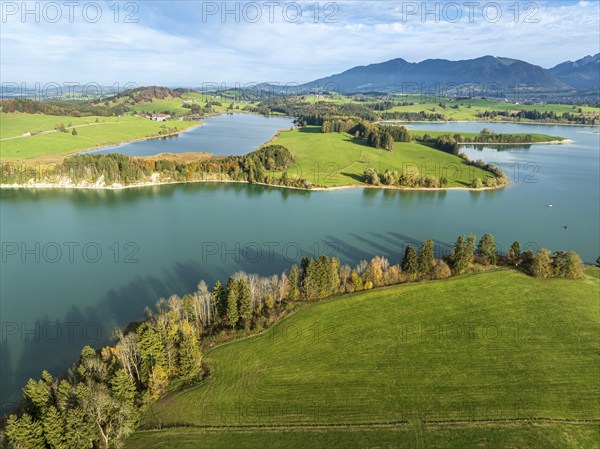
(396, 74)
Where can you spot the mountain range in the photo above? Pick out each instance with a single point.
(581, 74)
(398, 74)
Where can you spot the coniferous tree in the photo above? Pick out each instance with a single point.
(244, 303)
(309, 285)
(151, 349)
(219, 300)
(122, 387)
(458, 259)
(232, 315)
(54, 431)
(470, 248)
(426, 257)
(37, 397)
(24, 432)
(462, 254)
(190, 356)
(78, 430)
(514, 253)
(409, 262)
(323, 276)
(293, 283)
(486, 250)
(335, 275)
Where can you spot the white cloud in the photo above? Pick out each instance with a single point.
(180, 49)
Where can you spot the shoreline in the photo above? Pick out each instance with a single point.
(52, 158)
(140, 139)
(71, 186)
(551, 142)
(94, 150)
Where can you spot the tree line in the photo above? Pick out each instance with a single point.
(545, 116)
(375, 135)
(64, 108)
(421, 116)
(407, 178)
(256, 167)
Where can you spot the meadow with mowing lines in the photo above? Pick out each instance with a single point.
(501, 436)
(92, 132)
(433, 364)
(339, 159)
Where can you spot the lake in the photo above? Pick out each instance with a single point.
(222, 135)
(76, 263)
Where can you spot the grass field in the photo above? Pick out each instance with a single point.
(46, 145)
(468, 109)
(52, 145)
(175, 104)
(463, 109)
(412, 359)
(524, 436)
(335, 159)
(592, 271)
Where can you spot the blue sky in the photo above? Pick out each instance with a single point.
(188, 43)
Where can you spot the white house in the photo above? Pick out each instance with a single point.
(160, 117)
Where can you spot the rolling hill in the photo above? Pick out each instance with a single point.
(496, 359)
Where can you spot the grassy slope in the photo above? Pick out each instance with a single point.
(525, 436)
(174, 104)
(494, 345)
(338, 159)
(108, 131)
(592, 271)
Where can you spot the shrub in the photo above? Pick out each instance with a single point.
(477, 184)
(541, 265)
(441, 270)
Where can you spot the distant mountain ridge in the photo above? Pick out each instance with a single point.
(398, 74)
(581, 74)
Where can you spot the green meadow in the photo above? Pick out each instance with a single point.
(456, 109)
(467, 109)
(92, 132)
(176, 104)
(500, 436)
(483, 360)
(339, 159)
